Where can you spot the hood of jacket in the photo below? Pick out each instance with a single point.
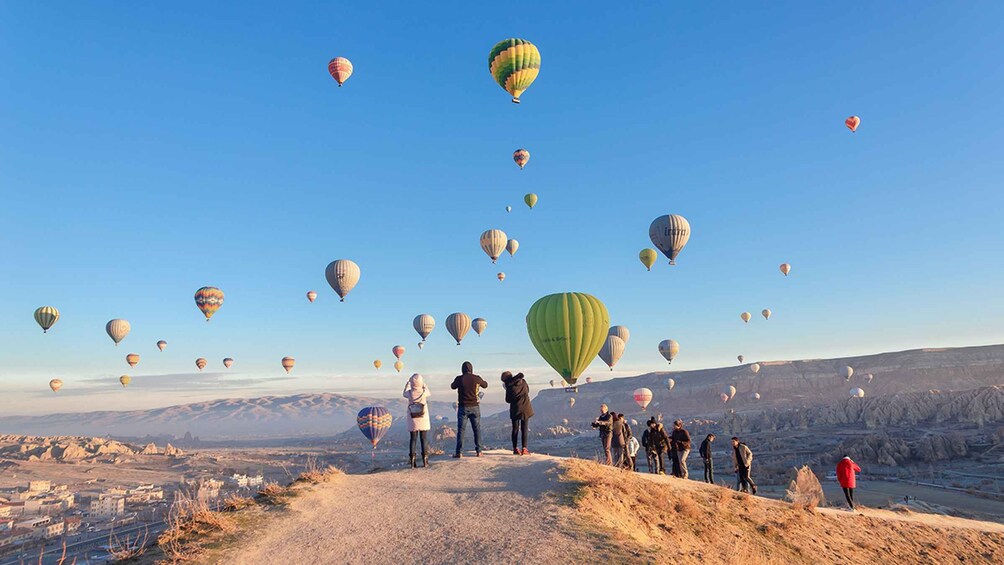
(466, 368)
(416, 382)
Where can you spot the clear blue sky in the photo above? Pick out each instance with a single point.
(147, 150)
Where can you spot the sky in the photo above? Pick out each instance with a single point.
(147, 150)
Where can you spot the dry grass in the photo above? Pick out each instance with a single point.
(639, 518)
(314, 474)
(190, 524)
(236, 503)
(128, 547)
(41, 557)
(274, 494)
(805, 492)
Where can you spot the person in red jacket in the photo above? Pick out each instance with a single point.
(845, 475)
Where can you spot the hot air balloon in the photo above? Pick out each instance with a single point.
(374, 422)
(46, 316)
(589, 380)
(857, 393)
(55, 385)
(847, 372)
(724, 397)
(852, 123)
(340, 69)
(512, 246)
(493, 243)
(287, 363)
(740, 358)
(522, 157)
(669, 349)
(671, 384)
(869, 377)
(458, 324)
(311, 296)
(162, 345)
(551, 382)
(785, 269)
(117, 329)
(132, 359)
(613, 348)
(621, 332)
(564, 421)
(124, 380)
(670, 234)
(642, 397)
(530, 199)
(729, 390)
(201, 363)
(745, 316)
(755, 367)
(571, 402)
(342, 276)
(568, 329)
(514, 64)
(228, 362)
(209, 299)
(648, 257)
(765, 313)
(424, 324)
(755, 396)
(398, 365)
(377, 363)
(398, 351)
(421, 345)
(500, 276)
(479, 325)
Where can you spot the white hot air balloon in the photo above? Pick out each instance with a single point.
(458, 324)
(508, 208)
(729, 390)
(755, 396)
(642, 397)
(765, 313)
(745, 317)
(847, 373)
(493, 243)
(612, 350)
(479, 325)
(342, 276)
(857, 393)
(117, 329)
(869, 377)
(512, 246)
(670, 234)
(755, 367)
(424, 324)
(669, 348)
(621, 332)
(671, 384)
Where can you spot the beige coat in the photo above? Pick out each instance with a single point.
(416, 392)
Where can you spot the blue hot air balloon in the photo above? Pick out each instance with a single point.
(374, 422)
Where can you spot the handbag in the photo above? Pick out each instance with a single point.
(416, 410)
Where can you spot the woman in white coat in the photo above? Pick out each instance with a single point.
(418, 416)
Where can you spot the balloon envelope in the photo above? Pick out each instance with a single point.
(287, 363)
(571, 402)
(377, 363)
(228, 362)
(512, 246)
(740, 358)
(311, 296)
(755, 396)
(671, 383)
(847, 372)
(55, 385)
(209, 299)
(621, 332)
(398, 365)
(132, 359)
(458, 324)
(852, 123)
(46, 316)
(765, 313)
(117, 329)
(521, 156)
(568, 329)
(124, 380)
(500, 277)
(729, 390)
(479, 325)
(340, 69)
(424, 324)
(493, 243)
(612, 350)
(755, 367)
(530, 199)
(162, 345)
(342, 276)
(398, 351)
(857, 393)
(648, 257)
(745, 317)
(514, 64)
(201, 363)
(642, 397)
(724, 397)
(670, 234)
(374, 422)
(669, 348)
(785, 269)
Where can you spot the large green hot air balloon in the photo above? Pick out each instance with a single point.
(514, 64)
(568, 329)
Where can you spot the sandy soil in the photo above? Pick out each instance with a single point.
(496, 509)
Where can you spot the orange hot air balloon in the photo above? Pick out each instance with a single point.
(132, 359)
(378, 363)
(501, 276)
(340, 69)
(311, 296)
(399, 365)
(201, 363)
(287, 363)
(398, 351)
(785, 269)
(209, 299)
(521, 156)
(852, 123)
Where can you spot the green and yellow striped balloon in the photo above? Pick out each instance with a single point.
(514, 64)
(568, 330)
(46, 316)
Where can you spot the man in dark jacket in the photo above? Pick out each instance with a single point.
(656, 443)
(467, 386)
(680, 439)
(517, 394)
(742, 458)
(604, 423)
(709, 469)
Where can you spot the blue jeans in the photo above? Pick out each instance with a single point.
(473, 413)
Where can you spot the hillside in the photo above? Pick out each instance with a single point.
(538, 509)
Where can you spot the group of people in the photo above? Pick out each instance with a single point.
(619, 444)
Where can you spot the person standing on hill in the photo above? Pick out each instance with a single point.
(629, 452)
(656, 443)
(517, 394)
(467, 386)
(846, 470)
(632, 450)
(604, 423)
(617, 440)
(680, 439)
(743, 459)
(705, 451)
(418, 416)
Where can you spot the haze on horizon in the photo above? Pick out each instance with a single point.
(151, 150)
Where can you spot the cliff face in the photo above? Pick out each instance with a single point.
(69, 448)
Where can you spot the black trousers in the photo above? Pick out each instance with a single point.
(709, 471)
(745, 481)
(519, 429)
(415, 436)
(849, 495)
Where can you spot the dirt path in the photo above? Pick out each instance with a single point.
(494, 509)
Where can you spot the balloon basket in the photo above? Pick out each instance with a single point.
(571, 389)
(515, 100)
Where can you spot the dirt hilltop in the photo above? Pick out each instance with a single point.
(507, 509)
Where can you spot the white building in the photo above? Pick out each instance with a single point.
(245, 481)
(107, 506)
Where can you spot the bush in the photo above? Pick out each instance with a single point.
(805, 491)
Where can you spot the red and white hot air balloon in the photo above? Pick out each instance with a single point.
(398, 351)
(340, 69)
(311, 296)
(852, 123)
(643, 396)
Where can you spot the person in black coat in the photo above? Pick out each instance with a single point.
(706, 455)
(517, 394)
